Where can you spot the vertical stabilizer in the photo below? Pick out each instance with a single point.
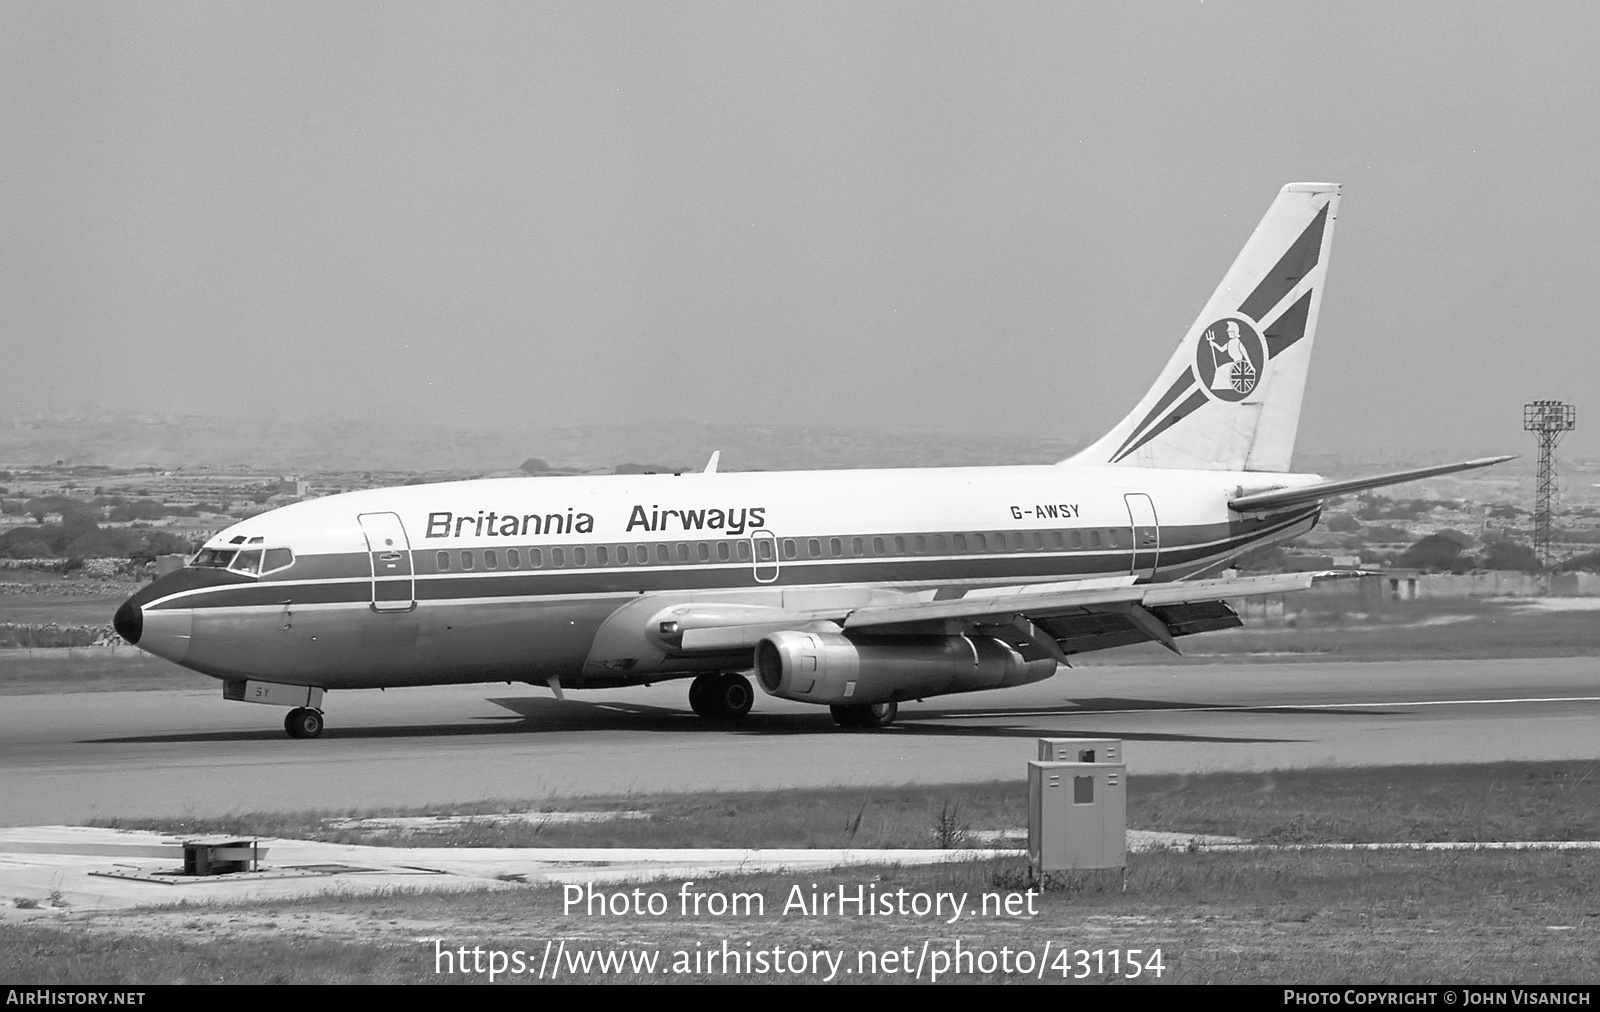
(1229, 399)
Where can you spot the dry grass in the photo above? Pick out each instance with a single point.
(1217, 918)
(1498, 801)
(1490, 917)
(92, 670)
(1352, 629)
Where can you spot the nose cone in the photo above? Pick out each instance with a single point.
(129, 621)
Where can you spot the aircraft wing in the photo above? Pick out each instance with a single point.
(1061, 620)
(1279, 498)
(1050, 603)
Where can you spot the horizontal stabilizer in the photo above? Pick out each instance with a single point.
(1280, 498)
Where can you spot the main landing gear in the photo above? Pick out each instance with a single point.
(303, 722)
(866, 715)
(721, 697)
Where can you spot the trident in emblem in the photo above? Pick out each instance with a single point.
(1232, 369)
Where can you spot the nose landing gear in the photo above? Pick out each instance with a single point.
(303, 722)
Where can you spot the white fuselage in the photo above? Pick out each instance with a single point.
(527, 579)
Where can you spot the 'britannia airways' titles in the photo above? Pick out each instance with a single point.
(492, 524)
(734, 521)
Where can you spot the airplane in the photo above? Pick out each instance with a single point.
(851, 589)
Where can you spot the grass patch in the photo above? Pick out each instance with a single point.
(871, 817)
(1346, 628)
(1466, 802)
(91, 669)
(1496, 801)
(45, 608)
(1217, 918)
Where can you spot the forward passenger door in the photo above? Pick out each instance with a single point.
(394, 585)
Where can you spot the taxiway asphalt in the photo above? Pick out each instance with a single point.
(67, 758)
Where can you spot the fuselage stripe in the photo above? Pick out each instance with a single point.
(1027, 565)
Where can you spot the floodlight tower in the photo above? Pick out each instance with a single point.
(1548, 421)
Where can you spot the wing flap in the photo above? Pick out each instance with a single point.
(714, 628)
(1091, 631)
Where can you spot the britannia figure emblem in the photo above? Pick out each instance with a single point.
(1229, 359)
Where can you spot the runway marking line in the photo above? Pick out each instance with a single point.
(1271, 706)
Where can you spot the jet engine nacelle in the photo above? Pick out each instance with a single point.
(833, 669)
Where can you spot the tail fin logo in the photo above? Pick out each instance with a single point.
(1229, 359)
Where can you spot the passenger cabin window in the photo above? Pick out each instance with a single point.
(815, 548)
(741, 549)
(600, 555)
(1094, 539)
(789, 550)
(443, 560)
(491, 560)
(578, 557)
(535, 558)
(683, 552)
(513, 559)
(703, 550)
(622, 555)
(960, 542)
(722, 551)
(857, 547)
(558, 558)
(466, 560)
(662, 554)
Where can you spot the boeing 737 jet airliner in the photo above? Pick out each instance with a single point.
(850, 589)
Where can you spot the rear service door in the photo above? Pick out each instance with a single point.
(1146, 534)
(394, 587)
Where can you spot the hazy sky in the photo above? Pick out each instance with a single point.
(917, 216)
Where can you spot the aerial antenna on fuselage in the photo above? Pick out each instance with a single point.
(711, 465)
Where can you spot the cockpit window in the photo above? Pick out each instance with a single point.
(251, 562)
